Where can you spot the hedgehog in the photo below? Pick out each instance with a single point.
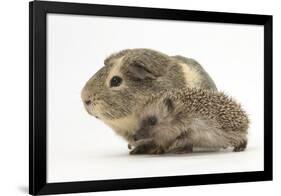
(178, 120)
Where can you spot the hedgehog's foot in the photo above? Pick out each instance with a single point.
(241, 147)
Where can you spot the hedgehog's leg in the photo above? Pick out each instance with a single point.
(181, 145)
(241, 146)
(240, 143)
(188, 148)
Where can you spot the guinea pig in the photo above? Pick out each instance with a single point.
(178, 120)
(116, 92)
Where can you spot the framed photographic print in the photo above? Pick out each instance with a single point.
(132, 97)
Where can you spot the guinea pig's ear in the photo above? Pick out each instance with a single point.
(141, 72)
(169, 104)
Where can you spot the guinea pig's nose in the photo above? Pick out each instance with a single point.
(88, 102)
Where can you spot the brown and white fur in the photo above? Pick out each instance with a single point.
(178, 120)
(142, 73)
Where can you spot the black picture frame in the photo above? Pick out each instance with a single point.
(37, 97)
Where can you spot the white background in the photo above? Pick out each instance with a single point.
(81, 147)
(14, 99)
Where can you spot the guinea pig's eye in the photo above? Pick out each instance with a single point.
(115, 81)
(152, 121)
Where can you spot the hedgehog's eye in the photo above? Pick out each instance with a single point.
(115, 81)
(152, 120)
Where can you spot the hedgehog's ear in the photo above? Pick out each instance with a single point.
(169, 104)
(140, 72)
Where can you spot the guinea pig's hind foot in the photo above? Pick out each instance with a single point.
(241, 147)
